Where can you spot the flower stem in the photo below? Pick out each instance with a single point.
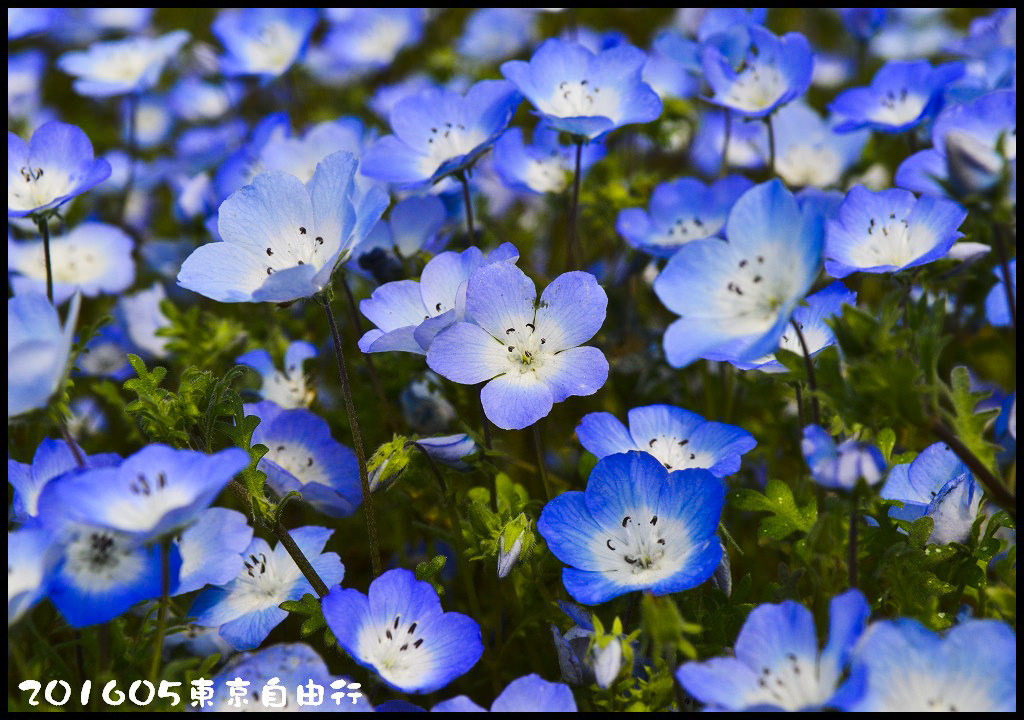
(723, 170)
(812, 383)
(771, 145)
(44, 229)
(483, 419)
(357, 442)
(70, 440)
(538, 444)
(574, 209)
(1000, 494)
(851, 547)
(467, 200)
(165, 600)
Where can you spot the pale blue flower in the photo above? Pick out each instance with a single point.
(120, 67)
(840, 467)
(530, 693)
(287, 387)
(263, 41)
(211, 549)
(52, 459)
(38, 349)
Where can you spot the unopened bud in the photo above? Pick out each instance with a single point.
(388, 463)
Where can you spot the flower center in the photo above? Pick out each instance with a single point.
(100, 559)
(893, 241)
(450, 139)
(684, 229)
(792, 684)
(754, 293)
(525, 347)
(898, 107)
(640, 545)
(399, 648)
(39, 187)
(756, 88)
(806, 164)
(675, 453)
(298, 461)
(301, 249)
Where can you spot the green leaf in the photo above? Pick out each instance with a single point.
(788, 516)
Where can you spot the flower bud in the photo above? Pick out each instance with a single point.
(607, 662)
(974, 166)
(516, 538)
(388, 463)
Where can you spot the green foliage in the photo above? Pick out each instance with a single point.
(969, 424)
(787, 516)
(430, 571)
(309, 608)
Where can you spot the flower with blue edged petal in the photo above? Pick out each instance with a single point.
(286, 387)
(93, 257)
(263, 41)
(52, 459)
(527, 351)
(494, 34)
(901, 666)
(747, 143)
(31, 556)
(409, 314)
(637, 527)
(211, 549)
(778, 665)
(439, 132)
(583, 93)
(936, 485)
(809, 151)
(246, 609)
(143, 318)
(889, 231)
(55, 165)
(360, 40)
(119, 67)
(677, 438)
(681, 211)
(863, 22)
(413, 225)
(545, 166)
(840, 467)
(303, 457)
(281, 239)
(900, 97)
(997, 305)
(736, 298)
(449, 449)
(400, 632)
(38, 349)
(530, 693)
(770, 72)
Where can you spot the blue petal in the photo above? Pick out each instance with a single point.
(603, 434)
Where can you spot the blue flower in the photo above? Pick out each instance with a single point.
(449, 449)
(901, 666)
(840, 467)
(263, 41)
(211, 549)
(151, 494)
(863, 22)
(527, 351)
(493, 34)
(119, 67)
(736, 297)
(543, 167)
(56, 165)
(809, 151)
(748, 143)
(777, 664)
(936, 485)
(287, 387)
(439, 132)
(900, 97)
(637, 527)
(360, 40)
(677, 438)
(305, 458)
(52, 459)
(583, 93)
(413, 225)
(769, 73)
(94, 258)
(997, 306)
(25, 21)
(38, 349)
(680, 211)
(973, 145)
(299, 156)
(281, 239)
(31, 558)
(530, 693)
(889, 231)
(143, 318)
(409, 314)
(24, 84)
(399, 631)
(812, 319)
(246, 609)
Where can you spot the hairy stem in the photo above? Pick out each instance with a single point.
(382, 398)
(467, 200)
(165, 601)
(44, 230)
(771, 145)
(812, 383)
(538, 444)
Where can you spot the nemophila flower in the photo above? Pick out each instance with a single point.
(889, 231)
(363, 39)
(936, 485)
(809, 151)
(997, 305)
(439, 132)
(812, 319)
(583, 93)
(493, 34)
(24, 83)
(106, 354)
(263, 41)
(400, 632)
(211, 549)
(747, 143)
(863, 22)
(38, 349)
(409, 314)
(997, 30)
(196, 100)
(274, 676)
(143, 318)
(31, 557)
(973, 146)
(677, 438)
(778, 665)
(305, 458)
(56, 165)
(573, 646)
(736, 298)
(901, 666)
(771, 72)
(413, 224)
(119, 67)
(900, 97)
(840, 467)
(545, 166)
(26, 21)
(93, 257)
(52, 459)
(286, 388)
(530, 693)
(299, 156)
(637, 527)
(449, 449)
(680, 211)
(528, 351)
(246, 609)
(281, 239)
(424, 407)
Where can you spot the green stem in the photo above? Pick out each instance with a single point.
(357, 442)
(538, 444)
(44, 229)
(305, 567)
(771, 145)
(467, 200)
(723, 170)
(165, 599)
(812, 383)
(999, 493)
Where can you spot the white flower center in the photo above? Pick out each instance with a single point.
(643, 549)
(450, 139)
(546, 175)
(898, 107)
(583, 98)
(301, 249)
(98, 560)
(756, 88)
(685, 229)
(397, 650)
(299, 462)
(287, 389)
(526, 351)
(675, 453)
(273, 49)
(816, 165)
(752, 296)
(72, 262)
(37, 187)
(792, 684)
(892, 241)
(264, 584)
